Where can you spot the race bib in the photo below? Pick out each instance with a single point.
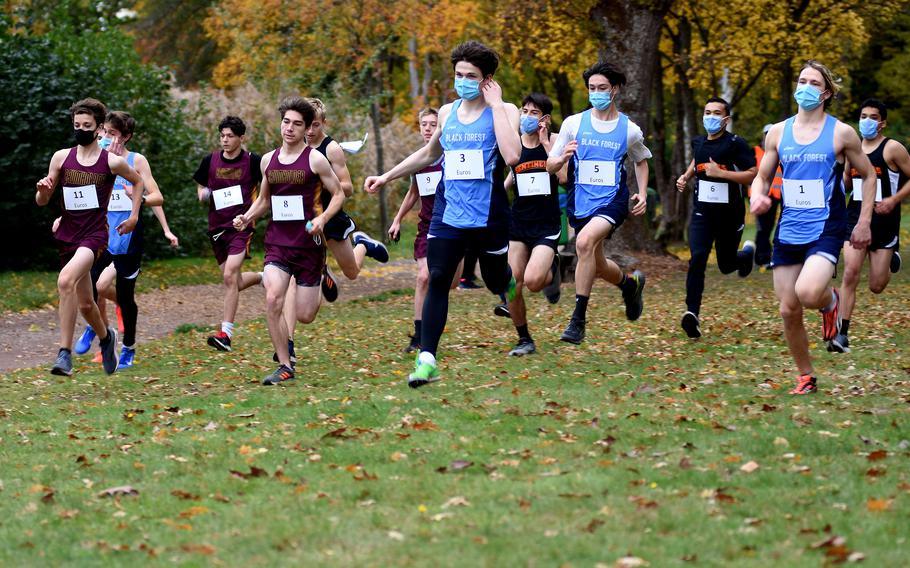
(120, 201)
(533, 183)
(427, 183)
(464, 164)
(804, 193)
(227, 197)
(597, 172)
(713, 191)
(858, 190)
(80, 198)
(287, 208)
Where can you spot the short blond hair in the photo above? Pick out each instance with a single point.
(831, 82)
(318, 106)
(425, 112)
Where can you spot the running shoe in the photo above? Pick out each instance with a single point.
(220, 341)
(63, 365)
(840, 344)
(97, 358)
(109, 352)
(414, 345)
(831, 321)
(85, 341)
(745, 268)
(524, 346)
(502, 310)
(424, 374)
(280, 375)
(690, 325)
(468, 284)
(805, 384)
(552, 290)
(329, 286)
(127, 358)
(895, 262)
(119, 313)
(634, 296)
(375, 249)
(574, 333)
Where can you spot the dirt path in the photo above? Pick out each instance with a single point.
(31, 339)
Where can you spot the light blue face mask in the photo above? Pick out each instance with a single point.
(105, 142)
(807, 96)
(713, 123)
(868, 128)
(467, 89)
(529, 124)
(600, 99)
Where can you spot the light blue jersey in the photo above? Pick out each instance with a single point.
(598, 172)
(118, 211)
(812, 195)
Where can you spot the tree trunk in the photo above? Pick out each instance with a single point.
(414, 79)
(563, 93)
(376, 119)
(631, 36)
(785, 88)
(674, 205)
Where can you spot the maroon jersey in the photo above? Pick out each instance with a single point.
(295, 193)
(233, 184)
(86, 191)
(427, 180)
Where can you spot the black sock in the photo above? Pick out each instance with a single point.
(65, 349)
(417, 326)
(626, 284)
(523, 332)
(107, 339)
(845, 326)
(622, 282)
(581, 307)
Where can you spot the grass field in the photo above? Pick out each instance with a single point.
(638, 446)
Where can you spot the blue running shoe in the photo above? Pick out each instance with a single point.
(85, 341)
(127, 358)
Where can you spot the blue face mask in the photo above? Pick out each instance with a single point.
(105, 142)
(713, 123)
(529, 124)
(600, 99)
(868, 127)
(807, 96)
(468, 89)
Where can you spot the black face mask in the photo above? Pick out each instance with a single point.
(84, 137)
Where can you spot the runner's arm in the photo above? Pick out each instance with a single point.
(853, 153)
(420, 159)
(340, 167)
(321, 166)
(506, 119)
(682, 180)
(562, 176)
(119, 166)
(896, 154)
(48, 183)
(761, 184)
(153, 196)
(641, 178)
(410, 199)
(262, 204)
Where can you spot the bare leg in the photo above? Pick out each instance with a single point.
(853, 266)
(349, 258)
(71, 286)
(230, 272)
(290, 309)
(276, 286)
(879, 270)
(791, 311)
(518, 261)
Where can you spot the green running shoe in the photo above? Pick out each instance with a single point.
(424, 374)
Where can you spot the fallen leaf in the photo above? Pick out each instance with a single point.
(879, 505)
(877, 455)
(122, 490)
(206, 549)
(460, 464)
(457, 501)
(193, 512)
(631, 562)
(749, 467)
(185, 495)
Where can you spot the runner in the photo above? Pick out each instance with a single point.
(227, 180)
(764, 223)
(536, 217)
(123, 257)
(293, 176)
(595, 144)
(723, 163)
(477, 134)
(423, 188)
(892, 167)
(85, 174)
(811, 148)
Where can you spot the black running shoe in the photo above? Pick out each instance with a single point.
(634, 296)
(109, 352)
(524, 346)
(840, 344)
(502, 310)
(895, 262)
(468, 284)
(690, 325)
(413, 346)
(375, 249)
(574, 333)
(329, 285)
(745, 267)
(220, 341)
(552, 290)
(280, 375)
(63, 365)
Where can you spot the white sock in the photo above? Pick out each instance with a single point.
(130, 347)
(228, 328)
(262, 279)
(427, 357)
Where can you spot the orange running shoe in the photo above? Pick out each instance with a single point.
(119, 319)
(805, 384)
(97, 357)
(831, 321)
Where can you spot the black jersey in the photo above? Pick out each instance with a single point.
(535, 193)
(730, 152)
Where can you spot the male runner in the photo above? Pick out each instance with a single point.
(227, 180)
(423, 189)
(293, 177)
(536, 217)
(477, 134)
(123, 257)
(764, 223)
(722, 164)
(595, 144)
(892, 167)
(85, 174)
(811, 148)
